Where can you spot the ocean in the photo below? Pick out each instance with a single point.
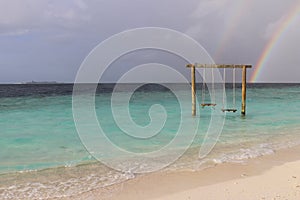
(42, 156)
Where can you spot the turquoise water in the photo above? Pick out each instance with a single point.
(38, 132)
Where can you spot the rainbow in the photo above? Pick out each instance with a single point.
(279, 32)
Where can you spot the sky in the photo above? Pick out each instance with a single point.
(47, 40)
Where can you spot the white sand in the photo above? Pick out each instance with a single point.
(271, 177)
(280, 182)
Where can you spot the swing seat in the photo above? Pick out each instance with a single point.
(229, 110)
(208, 104)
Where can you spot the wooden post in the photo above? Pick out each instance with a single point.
(244, 82)
(193, 79)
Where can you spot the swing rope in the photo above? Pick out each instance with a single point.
(233, 89)
(224, 87)
(213, 98)
(233, 109)
(203, 87)
(212, 94)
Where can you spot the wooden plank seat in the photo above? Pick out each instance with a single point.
(229, 110)
(208, 104)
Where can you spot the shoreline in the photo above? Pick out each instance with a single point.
(277, 177)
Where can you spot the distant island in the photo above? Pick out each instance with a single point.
(40, 82)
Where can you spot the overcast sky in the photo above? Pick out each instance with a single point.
(46, 40)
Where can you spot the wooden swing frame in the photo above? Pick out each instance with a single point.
(193, 85)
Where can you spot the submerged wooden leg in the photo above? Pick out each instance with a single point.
(244, 77)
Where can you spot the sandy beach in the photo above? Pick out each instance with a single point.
(281, 182)
(275, 176)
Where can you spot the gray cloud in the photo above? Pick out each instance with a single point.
(47, 40)
(19, 17)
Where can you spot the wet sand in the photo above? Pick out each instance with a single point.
(275, 176)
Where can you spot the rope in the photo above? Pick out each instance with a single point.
(224, 86)
(213, 99)
(233, 89)
(203, 86)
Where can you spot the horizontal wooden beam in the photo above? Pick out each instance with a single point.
(217, 66)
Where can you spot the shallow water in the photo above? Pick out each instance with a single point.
(41, 154)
